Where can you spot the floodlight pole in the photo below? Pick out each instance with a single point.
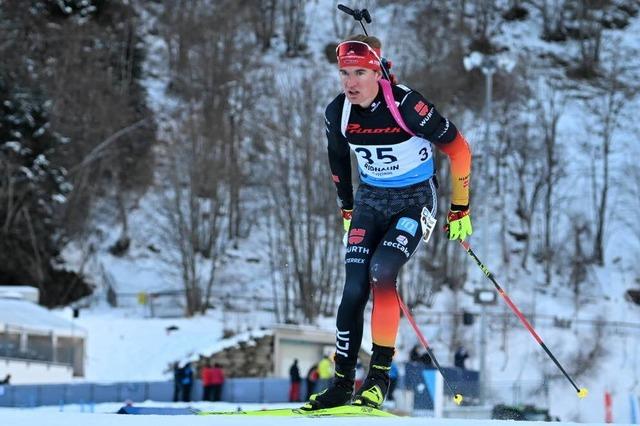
(488, 68)
(481, 299)
(483, 354)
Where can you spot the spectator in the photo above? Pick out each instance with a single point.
(217, 381)
(424, 358)
(393, 380)
(414, 355)
(187, 382)
(325, 369)
(206, 376)
(460, 357)
(177, 381)
(312, 378)
(294, 376)
(427, 361)
(6, 380)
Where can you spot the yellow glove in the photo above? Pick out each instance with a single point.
(346, 224)
(459, 224)
(346, 219)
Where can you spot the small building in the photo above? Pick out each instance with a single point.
(36, 345)
(270, 352)
(306, 344)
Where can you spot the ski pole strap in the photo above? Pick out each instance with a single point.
(387, 91)
(456, 215)
(347, 214)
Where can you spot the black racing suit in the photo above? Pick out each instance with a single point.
(397, 181)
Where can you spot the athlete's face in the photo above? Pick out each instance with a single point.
(360, 85)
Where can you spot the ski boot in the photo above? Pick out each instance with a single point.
(374, 389)
(339, 392)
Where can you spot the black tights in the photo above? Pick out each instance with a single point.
(385, 231)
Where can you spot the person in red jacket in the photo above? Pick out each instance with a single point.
(217, 381)
(206, 375)
(295, 379)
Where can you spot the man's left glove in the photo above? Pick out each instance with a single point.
(346, 224)
(346, 219)
(459, 224)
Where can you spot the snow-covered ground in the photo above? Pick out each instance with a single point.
(103, 416)
(125, 349)
(145, 348)
(123, 346)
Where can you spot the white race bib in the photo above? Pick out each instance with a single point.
(388, 161)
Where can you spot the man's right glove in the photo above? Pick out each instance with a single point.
(346, 224)
(459, 224)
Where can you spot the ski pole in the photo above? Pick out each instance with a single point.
(582, 392)
(457, 398)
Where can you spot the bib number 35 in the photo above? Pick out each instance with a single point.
(382, 155)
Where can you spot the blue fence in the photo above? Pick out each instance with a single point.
(255, 390)
(465, 382)
(235, 390)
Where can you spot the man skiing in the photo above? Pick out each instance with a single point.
(382, 224)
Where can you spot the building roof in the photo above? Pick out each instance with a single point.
(247, 338)
(18, 314)
(24, 292)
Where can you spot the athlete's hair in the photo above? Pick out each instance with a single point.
(372, 41)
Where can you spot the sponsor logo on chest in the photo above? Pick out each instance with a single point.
(357, 128)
